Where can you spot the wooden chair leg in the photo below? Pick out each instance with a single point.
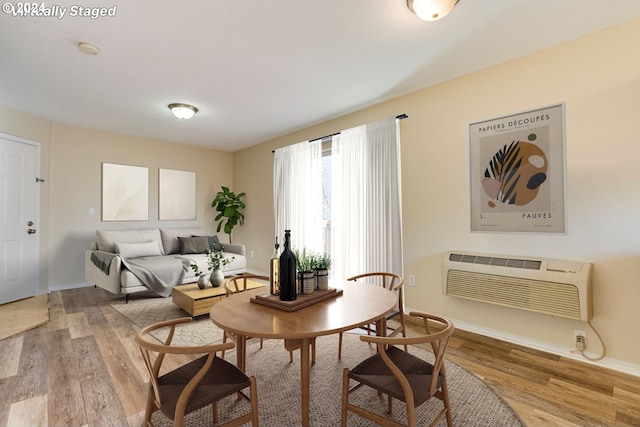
(447, 404)
(292, 345)
(254, 401)
(224, 340)
(340, 346)
(345, 397)
(150, 408)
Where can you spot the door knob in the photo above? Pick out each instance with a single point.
(30, 223)
(31, 231)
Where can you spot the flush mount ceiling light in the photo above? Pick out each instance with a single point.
(183, 111)
(431, 10)
(88, 48)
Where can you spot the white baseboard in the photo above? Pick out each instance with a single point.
(606, 362)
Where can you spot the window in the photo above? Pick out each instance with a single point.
(343, 197)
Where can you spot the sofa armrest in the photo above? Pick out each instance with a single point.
(109, 282)
(233, 248)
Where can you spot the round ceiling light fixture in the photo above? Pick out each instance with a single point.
(431, 10)
(88, 48)
(183, 111)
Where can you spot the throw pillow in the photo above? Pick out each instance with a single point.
(135, 250)
(193, 245)
(170, 240)
(106, 238)
(214, 243)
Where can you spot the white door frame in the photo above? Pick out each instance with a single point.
(36, 255)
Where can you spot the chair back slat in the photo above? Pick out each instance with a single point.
(239, 283)
(153, 379)
(390, 281)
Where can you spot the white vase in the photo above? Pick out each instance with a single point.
(203, 281)
(216, 278)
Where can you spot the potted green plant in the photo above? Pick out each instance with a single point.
(217, 259)
(229, 206)
(306, 275)
(321, 264)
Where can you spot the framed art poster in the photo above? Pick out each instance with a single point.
(125, 193)
(177, 198)
(517, 172)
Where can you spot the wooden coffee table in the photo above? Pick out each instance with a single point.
(196, 301)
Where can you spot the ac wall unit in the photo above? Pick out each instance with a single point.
(555, 287)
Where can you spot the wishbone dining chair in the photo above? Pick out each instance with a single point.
(401, 375)
(392, 282)
(194, 385)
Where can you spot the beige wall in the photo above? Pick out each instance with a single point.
(76, 158)
(72, 159)
(598, 78)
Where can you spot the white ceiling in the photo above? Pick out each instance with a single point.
(259, 69)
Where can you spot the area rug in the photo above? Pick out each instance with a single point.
(147, 310)
(473, 402)
(20, 316)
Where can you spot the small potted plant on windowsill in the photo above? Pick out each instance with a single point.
(321, 264)
(306, 276)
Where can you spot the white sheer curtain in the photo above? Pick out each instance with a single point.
(366, 223)
(297, 191)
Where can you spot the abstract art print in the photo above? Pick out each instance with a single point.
(517, 172)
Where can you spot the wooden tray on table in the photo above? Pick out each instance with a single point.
(301, 302)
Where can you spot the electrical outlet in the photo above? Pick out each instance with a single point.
(579, 342)
(252, 254)
(412, 280)
(579, 338)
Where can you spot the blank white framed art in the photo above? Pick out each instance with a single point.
(125, 193)
(177, 195)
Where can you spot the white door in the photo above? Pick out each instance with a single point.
(19, 241)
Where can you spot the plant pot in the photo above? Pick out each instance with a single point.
(203, 281)
(216, 278)
(322, 279)
(307, 282)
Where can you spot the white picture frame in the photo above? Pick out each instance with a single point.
(177, 195)
(125, 192)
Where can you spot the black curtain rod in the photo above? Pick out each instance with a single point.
(399, 117)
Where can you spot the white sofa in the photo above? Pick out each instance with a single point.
(113, 245)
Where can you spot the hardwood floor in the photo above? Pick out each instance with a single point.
(83, 368)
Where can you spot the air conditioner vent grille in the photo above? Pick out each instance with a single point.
(557, 299)
(525, 264)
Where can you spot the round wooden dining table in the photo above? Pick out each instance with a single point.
(359, 304)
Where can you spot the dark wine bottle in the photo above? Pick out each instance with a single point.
(288, 291)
